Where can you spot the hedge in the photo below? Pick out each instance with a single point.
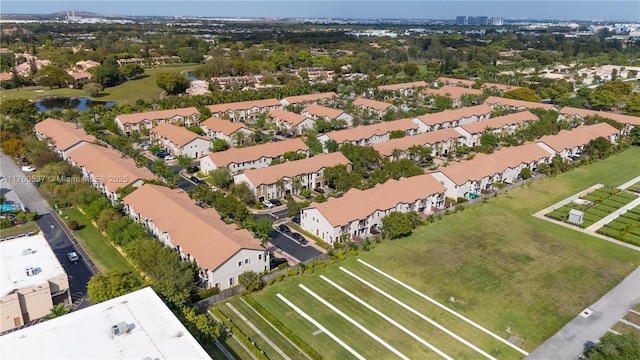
(254, 349)
(283, 329)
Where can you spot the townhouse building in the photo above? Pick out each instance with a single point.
(244, 111)
(454, 82)
(374, 108)
(358, 213)
(501, 125)
(108, 170)
(472, 178)
(222, 251)
(441, 142)
(315, 112)
(327, 98)
(574, 114)
(455, 93)
(404, 89)
(217, 128)
(455, 117)
(291, 122)
(504, 103)
(252, 157)
(501, 88)
(570, 143)
(128, 123)
(291, 177)
(372, 134)
(180, 141)
(62, 137)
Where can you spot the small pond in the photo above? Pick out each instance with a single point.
(78, 103)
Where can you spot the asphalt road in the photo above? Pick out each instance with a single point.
(291, 247)
(21, 183)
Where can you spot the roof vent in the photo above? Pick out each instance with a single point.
(28, 251)
(30, 271)
(119, 328)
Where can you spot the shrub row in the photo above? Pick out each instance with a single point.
(283, 329)
(239, 334)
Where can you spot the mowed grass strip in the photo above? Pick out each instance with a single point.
(100, 249)
(260, 343)
(458, 326)
(623, 328)
(280, 341)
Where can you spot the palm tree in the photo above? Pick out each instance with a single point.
(296, 182)
(58, 310)
(279, 186)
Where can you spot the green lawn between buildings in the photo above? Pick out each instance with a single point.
(503, 267)
(142, 88)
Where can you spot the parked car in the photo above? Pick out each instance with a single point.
(319, 190)
(287, 135)
(162, 154)
(268, 204)
(275, 202)
(299, 238)
(276, 261)
(196, 180)
(169, 157)
(284, 228)
(73, 257)
(28, 168)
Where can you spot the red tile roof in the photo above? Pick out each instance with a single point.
(244, 105)
(367, 131)
(454, 92)
(359, 204)
(499, 122)
(396, 87)
(423, 139)
(623, 119)
(494, 100)
(62, 134)
(198, 232)
(455, 114)
(291, 169)
(310, 97)
(579, 136)
(372, 104)
(287, 116)
(268, 150)
(446, 80)
(322, 111)
(226, 127)
(178, 135)
(500, 87)
(156, 115)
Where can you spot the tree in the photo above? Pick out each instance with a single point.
(57, 310)
(332, 146)
(604, 99)
(396, 225)
(397, 134)
(221, 177)
(634, 135)
(202, 326)
(525, 173)
(615, 347)
(250, 280)
(184, 161)
(443, 102)
(261, 227)
(92, 89)
(219, 145)
(489, 139)
(131, 71)
(362, 157)
(172, 82)
(524, 94)
(107, 74)
(313, 143)
(241, 192)
(53, 76)
(196, 129)
(411, 69)
(102, 287)
(598, 147)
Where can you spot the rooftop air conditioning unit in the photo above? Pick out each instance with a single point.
(30, 271)
(28, 251)
(119, 328)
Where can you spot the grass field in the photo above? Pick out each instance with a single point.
(105, 256)
(19, 229)
(142, 88)
(503, 267)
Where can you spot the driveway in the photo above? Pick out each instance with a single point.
(291, 247)
(20, 183)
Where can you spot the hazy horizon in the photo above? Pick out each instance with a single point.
(354, 9)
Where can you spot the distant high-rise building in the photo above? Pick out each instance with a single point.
(496, 21)
(479, 20)
(461, 20)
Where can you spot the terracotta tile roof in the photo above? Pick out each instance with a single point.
(454, 92)
(358, 204)
(499, 87)
(372, 104)
(62, 134)
(109, 166)
(81, 75)
(268, 150)
(322, 111)
(291, 169)
(310, 97)
(156, 115)
(4, 76)
(579, 136)
(499, 122)
(455, 114)
(178, 135)
(367, 131)
(396, 87)
(447, 80)
(198, 232)
(244, 105)
(623, 119)
(483, 165)
(423, 139)
(221, 125)
(287, 116)
(493, 100)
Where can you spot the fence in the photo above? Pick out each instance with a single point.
(212, 300)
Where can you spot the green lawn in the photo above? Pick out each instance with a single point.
(19, 229)
(142, 88)
(101, 251)
(504, 268)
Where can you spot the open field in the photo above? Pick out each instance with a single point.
(504, 269)
(142, 88)
(101, 251)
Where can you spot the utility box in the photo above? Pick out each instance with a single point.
(575, 216)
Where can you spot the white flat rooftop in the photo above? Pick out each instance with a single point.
(153, 333)
(18, 254)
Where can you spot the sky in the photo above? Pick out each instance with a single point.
(358, 9)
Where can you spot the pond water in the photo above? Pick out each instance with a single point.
(78, 103)
(189, 76)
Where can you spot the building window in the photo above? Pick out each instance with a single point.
(230, 281)
(239, 264)
(259, 256)
(246, 261)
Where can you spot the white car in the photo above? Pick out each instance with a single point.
(169, 157)
(268, 204)
(28, 168)
(73, 257)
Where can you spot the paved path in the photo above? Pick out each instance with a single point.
(570, 341)
(629, 183)
(257, 331)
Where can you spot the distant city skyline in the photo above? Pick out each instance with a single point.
(417, 9)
